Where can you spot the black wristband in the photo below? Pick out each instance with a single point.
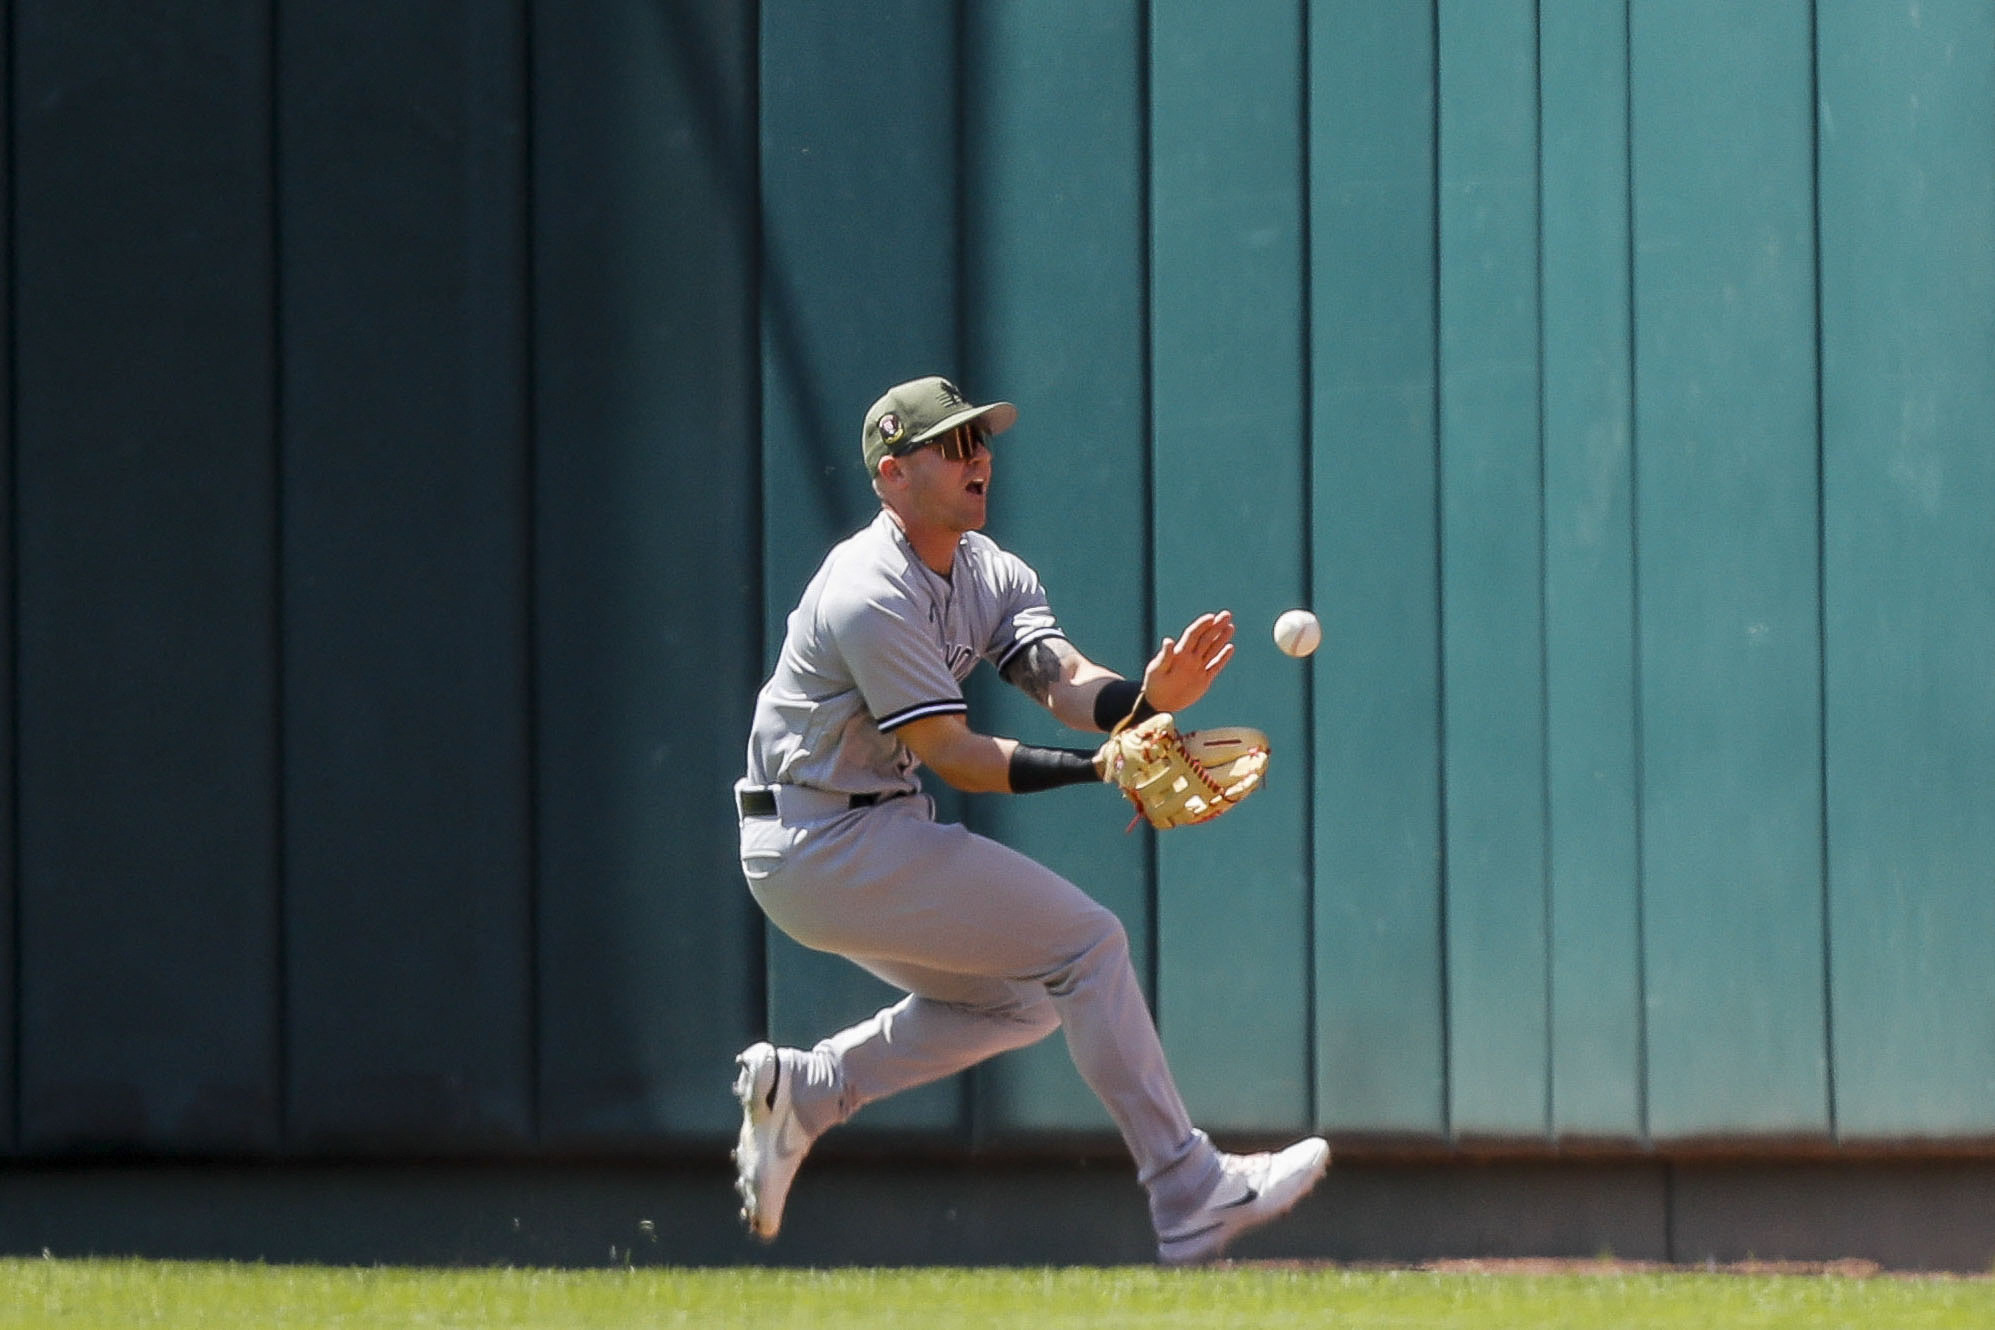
(1120, 699)
(1035, 769)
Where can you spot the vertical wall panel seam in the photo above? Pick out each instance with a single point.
(1549, 901)
(959, 237)
(1146, 481)
(1440, 582)
(970, 1111)
(1821, 577)
(755, 929)
(280, 683)
(1306, 487)
(769, 330)
(1635, 591)
(530, 565)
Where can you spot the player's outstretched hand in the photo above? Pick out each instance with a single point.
(1185, 666)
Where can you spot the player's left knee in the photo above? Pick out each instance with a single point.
(1041, 1018)
(1107, 951)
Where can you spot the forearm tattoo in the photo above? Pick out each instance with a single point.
(1037, 668)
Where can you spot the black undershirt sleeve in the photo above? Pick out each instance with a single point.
(1117, 699)
(1034, 769)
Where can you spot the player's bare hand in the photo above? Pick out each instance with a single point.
(1185, 666)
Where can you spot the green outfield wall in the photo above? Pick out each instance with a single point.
(420, 421)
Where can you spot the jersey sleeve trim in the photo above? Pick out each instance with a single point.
(945, 707)
(1038, 635)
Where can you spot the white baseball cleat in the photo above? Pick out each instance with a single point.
(1252, 1190)
(772, 1142)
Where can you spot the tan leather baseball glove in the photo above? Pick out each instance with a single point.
(1177, 778)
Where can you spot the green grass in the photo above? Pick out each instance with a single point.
(86, 1295)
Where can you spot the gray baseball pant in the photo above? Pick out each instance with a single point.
(993, 949)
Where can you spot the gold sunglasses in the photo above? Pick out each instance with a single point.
(958, 445)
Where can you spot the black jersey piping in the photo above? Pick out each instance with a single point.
(949, 706)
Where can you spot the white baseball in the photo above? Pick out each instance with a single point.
(1298, 633)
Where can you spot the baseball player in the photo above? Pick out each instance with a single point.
(843, 853)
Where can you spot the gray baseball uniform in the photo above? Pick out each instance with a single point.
(993, 949)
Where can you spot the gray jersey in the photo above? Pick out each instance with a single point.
(881, 639)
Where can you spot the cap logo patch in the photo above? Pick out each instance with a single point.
(891, 429)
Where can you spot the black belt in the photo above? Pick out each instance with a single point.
(761, 802)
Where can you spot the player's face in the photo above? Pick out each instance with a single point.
(949, 479)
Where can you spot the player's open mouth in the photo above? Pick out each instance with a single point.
(976, 487)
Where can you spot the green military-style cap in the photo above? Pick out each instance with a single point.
(922, 409)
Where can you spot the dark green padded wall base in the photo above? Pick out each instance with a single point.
(1906, 1215)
